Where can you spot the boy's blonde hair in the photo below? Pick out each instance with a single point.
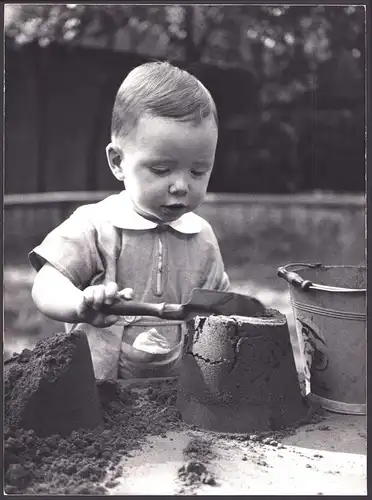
(160, 89)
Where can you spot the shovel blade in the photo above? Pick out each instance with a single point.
(224, 303)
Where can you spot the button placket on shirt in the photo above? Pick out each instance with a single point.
(160, 261)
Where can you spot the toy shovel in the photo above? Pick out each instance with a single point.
(202, 301)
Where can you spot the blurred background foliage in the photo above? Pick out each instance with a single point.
(283, 46)
(306, 66)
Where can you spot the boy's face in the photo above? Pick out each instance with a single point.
(165, 165)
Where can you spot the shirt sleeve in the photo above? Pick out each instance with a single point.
(70, 248)
(216, 277)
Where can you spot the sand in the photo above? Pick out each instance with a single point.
(79, 463)
(238, 374)
(137, 443)
(145, 448)
(63, 429)
(300, 461)
(51, 389)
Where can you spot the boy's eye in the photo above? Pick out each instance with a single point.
(160, 170)
(198, 173)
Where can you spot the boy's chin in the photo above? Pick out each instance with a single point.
(165, 218)
(171, 214)
(156, 217)
(162, 214)
(146, 214)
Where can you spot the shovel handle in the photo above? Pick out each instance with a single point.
(294, 279)
(123, 307)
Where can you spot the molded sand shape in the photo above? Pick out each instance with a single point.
(52, 388)
(238, 374)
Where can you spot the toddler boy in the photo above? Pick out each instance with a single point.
(145, 240)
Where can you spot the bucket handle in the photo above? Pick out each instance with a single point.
(295, 279)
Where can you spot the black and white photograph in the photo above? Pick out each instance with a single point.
(185, 264)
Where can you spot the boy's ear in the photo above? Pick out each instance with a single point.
(115, 157)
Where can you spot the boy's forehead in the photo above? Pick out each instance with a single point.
(158, 124)
(156, 130)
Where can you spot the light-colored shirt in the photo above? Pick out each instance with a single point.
(109, 241)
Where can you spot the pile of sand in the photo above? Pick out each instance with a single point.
(66, 433)
(239, 375)
(64, 429)
(78, 463)
(51, 389)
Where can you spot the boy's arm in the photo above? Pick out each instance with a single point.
(66, 262)
(71, 249)
(59, 299)
(215, 277)
(55, 295)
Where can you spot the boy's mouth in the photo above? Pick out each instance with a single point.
(174, 207)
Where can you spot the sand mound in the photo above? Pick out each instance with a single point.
(52, 388)
(79, 463)
(238, 374)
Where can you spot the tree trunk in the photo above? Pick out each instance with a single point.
(193, 51)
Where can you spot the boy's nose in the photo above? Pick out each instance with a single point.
(178, 186)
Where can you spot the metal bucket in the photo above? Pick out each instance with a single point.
(329, 306)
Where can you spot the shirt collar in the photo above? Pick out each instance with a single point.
(120, 212)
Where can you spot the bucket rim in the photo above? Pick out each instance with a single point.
(305, 265)
(289, 273)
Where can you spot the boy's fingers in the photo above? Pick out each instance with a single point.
(99, 293)
(126, 293)
(88, 294)
(86, 302)
(111, 292)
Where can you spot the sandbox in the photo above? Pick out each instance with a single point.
(131, 442)
(145, 448)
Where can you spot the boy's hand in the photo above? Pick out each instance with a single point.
(94, 297)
